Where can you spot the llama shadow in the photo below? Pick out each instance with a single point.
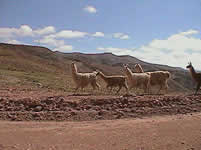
(78, 94)
(151, 94)
(129, 95)
(198, 94)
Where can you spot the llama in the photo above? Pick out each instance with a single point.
(156, 78)
(84, 79)
(138, 68)
(196, 76)
(137, 79)
(113, 81)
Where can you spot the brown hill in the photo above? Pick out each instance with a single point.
(22, 64)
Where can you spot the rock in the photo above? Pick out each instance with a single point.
(96, 108)
(98, 117)
(102, 112)
(127, 110)
(38, 108)
(117, 116)
(36, 115)
(73, 112)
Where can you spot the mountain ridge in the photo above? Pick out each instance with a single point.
(39, 59)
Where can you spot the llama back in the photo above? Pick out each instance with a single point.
(158, 77)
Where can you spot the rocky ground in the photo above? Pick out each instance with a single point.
(22, 105)
(29, 120)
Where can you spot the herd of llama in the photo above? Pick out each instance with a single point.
(139, 79)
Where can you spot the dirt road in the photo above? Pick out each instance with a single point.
(179, 132)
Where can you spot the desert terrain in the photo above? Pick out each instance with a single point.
(39, 110)
(44, 119)
(178, 132)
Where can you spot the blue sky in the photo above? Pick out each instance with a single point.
(156, 31)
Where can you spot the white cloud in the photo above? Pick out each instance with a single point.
(121, 36)
(50, 42)
(90, 9)
(25, 31)
(117, 51)
(68, 34)
(13, 42)
(59, 45)
(98, 34)
(7, 32)
(189, 32)
(49, 31)
(177, 50)
(64, 48)
(45, 30)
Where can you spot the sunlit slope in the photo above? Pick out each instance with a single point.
(34, 65)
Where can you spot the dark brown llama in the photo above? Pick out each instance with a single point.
(113, 81)
(196, 76)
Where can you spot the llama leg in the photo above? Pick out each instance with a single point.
(107, 87)
(93, 85)
(145, 88)
(97, 85)
(119, 89)
(130, 88)
(150, 92)
(77, 87)
(159, 89)
(126, 87)
(148, 88)
(198, 87)
(166, 88)
(82, 89)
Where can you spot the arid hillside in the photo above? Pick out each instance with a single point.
(39, 66)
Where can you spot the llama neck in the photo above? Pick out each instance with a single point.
(193, 73)
(128, 72)
(104, 77)
(141, 70)
(74, 70)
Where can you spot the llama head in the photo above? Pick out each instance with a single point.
(138, 68)
(74, 67)
(126, 69)
(125, 65)
(189, 65)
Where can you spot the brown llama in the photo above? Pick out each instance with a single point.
(137, 80)
(159, 78)
(196, 76)
(113, 81)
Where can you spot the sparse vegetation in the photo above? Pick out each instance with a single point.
(40, 67)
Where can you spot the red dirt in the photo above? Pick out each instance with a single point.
(178, 132)
(98, 122)
(27, 105)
